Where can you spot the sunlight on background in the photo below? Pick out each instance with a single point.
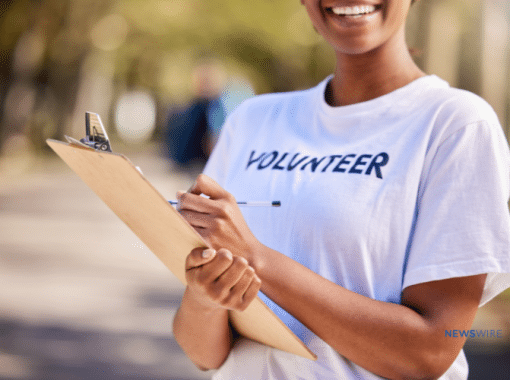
(135, 117)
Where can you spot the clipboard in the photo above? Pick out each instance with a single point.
(125, 190)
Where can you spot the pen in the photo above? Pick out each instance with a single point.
(250, 204)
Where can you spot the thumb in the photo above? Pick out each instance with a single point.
(199, 257)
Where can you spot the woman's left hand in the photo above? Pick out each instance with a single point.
(218, 218)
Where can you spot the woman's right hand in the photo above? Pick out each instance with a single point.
(219, 280)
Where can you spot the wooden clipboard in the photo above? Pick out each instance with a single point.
(163, 230)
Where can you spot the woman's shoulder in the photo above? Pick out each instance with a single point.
(452, 114)
(460, 106)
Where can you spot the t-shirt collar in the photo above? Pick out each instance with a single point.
(400, 97)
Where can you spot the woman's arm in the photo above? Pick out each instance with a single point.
(405, 341)
(204, 334)
(217, 282)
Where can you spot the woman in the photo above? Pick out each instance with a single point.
(394, 224)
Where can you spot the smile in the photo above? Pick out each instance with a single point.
(356, 11)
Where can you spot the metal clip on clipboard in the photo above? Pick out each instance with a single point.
(95, 134)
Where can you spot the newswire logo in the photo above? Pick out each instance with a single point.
(473, 333)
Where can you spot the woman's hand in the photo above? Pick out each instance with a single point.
(220, 280)
(217, 282)
(217, 218)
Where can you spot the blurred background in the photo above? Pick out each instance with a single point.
(80, 296)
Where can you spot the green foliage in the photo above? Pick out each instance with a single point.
(154, 44)
(270, 41)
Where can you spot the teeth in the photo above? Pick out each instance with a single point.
(353, 11)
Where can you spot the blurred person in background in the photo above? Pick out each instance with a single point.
(394, 226)
(192, 131)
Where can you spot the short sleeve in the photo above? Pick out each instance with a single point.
(462, 224)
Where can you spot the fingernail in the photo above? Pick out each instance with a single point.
(179, 193)
(206, 253)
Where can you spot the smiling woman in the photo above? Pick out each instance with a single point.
(394, 224)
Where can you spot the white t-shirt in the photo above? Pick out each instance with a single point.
(407, 188)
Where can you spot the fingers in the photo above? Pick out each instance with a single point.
(201, 212)
(197, 203)
(235, 272)
(213, 267)
(222, 279)
(244, 291)
(199, 257)
(206, 185)
(197, 219)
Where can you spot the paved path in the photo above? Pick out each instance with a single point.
(81, 297)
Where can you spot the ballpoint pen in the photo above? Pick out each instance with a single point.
(249, 203)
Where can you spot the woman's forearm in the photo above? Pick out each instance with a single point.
(204, 334)
(390, 340)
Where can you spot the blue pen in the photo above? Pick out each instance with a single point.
(250, 204)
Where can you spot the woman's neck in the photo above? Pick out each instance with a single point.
(359, 78)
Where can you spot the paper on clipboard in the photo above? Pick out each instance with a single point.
(163, 230)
